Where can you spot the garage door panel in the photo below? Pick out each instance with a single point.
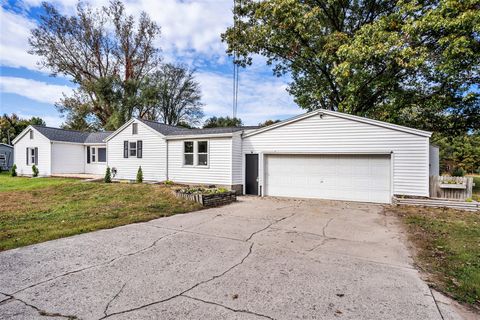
(339, 177)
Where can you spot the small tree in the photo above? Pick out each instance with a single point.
(139, 175)
(13, 171)
(108, 176)
(35, 171)
(458, 172)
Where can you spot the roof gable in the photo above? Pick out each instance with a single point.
(345, 116)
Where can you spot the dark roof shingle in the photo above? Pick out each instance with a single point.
(64, 135)
(168, 130)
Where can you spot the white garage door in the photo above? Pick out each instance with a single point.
(338, 177)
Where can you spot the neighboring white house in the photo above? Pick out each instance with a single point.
(59, 151)
(6, 156)
(321, 154)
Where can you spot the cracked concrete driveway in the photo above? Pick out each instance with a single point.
(258, 258)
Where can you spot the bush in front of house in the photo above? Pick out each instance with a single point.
(108, 176)
(202, 190)
(458, 172)
(139, 175)
(34, 171)
(13, 171)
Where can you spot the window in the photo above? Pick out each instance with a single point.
(202, 147)
(132, 149)
(188, 153)
(102, 154)
(32, 156)
(134, 128)
(3, 160)
(195, 153)
(31, 134)
(93, 154)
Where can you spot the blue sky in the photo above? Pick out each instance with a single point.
(190, 34)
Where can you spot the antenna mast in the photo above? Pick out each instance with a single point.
(235, 56)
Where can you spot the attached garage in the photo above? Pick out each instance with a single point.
(330, 155)
(338, 177)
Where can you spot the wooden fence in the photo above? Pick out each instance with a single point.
(453, 188)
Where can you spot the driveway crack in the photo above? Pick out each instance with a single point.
(269, 225)
(97, 265)
(105, 312)
(185, 291)
(325, 227)
(41, 312)
(228, 308)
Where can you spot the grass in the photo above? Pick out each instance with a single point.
(448, 243)
(34, 210)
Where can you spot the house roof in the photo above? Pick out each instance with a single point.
(74, 136)
(345, 116)
(168, 130)
(6, 145)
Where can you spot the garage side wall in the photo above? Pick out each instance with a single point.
(153, 161)
(331, 134)
(44, 153)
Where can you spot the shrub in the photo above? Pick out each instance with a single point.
(168, 182)
(13, 171)
(108, 176)
(139, 175)
(34, 171)
(458, 172)
(469, 200)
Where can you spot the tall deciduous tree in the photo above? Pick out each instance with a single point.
(408, 62)
(214, 122)
(105, 52)
(12, 125)
(172, 96)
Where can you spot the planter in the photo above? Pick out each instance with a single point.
(211, 199)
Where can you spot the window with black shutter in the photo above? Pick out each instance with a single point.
(139, 148)
(88, 154)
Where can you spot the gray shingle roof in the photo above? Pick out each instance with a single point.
(168, 130)
(56, 134)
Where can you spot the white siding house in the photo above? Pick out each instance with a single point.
(28, 142)
(58, 151)
(331, 155)
(321, 154)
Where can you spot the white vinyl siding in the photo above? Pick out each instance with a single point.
(237, 176)
(94, 167)
(67, 158)
(44, 152)
(218, 170)
(153, 154)
(331, 134)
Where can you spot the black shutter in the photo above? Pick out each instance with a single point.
(27, 157)
(88, 154)
(139, 148)
(36, 156)
(125, 149)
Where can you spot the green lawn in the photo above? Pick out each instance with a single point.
(448, 243)
(34, 210)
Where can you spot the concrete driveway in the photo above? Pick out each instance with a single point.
(255, 259)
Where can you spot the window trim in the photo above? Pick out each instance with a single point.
(195, 154)
(207, 153)
(134, 128)
(31, 134)
(192, 153)
(94, 155)
(31, 156)
(130, 149)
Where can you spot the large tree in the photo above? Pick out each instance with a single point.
(409, 62)
(172, 96)
(12, 125)
(106, 52)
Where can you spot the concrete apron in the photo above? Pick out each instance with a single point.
(255, 259)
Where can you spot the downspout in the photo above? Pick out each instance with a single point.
(166, 160)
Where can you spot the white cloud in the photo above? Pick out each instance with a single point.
(259, 99)
(15, 30)
(32, 89)
(51, 121)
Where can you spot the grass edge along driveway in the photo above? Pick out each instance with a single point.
(34, 210)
